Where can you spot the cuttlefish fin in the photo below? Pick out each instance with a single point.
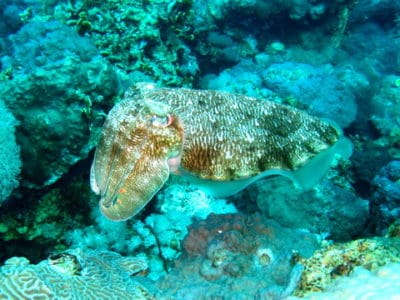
(136, 190)
(311, 173)
(305, 177)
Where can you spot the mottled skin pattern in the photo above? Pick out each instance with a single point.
(213, 135)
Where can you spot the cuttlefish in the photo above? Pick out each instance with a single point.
(220, 141)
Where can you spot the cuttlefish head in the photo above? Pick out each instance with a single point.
(140, 144)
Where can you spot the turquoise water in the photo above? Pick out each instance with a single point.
(251, 149)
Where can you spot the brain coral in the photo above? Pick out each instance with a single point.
(74, 275)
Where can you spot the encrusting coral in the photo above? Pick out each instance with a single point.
(10, 161)
(147, 37)
(227, 253)
(341, 259)
(58, 90)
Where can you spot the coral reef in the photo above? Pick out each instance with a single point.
(177, 206)
(181, 198)
(323, 91)
(230, 31)
(225, 254)
(74, 274)
(382, 283)
(383, 11)
(372, 50)
(394, 229)
(64, 64)
(327, 209)
(296, 10)
(243, 78)
(12, 18)
(35, 225)
(10, 162)
(146, 36)
(316, 89)
(385, 201)
(58, 88)
(338, 260)
(158, 237)
(386, 110)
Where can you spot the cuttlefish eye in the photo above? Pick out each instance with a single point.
(161, 121)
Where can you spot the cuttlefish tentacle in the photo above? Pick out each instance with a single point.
(135, 192)
(208, 136)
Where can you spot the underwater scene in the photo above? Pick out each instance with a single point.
(194, 149)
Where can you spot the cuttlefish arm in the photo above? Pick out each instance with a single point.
(131, 160)
(221, 141)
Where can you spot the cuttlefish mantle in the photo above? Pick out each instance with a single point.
(221, 141)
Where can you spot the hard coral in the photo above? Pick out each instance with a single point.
(74, 275)
(10, 162)
(341, 259)
(59, 88)
(146, 36)
(385, 202)
(381, 283)
(327, 208)
(332, 99)
(228, 252)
